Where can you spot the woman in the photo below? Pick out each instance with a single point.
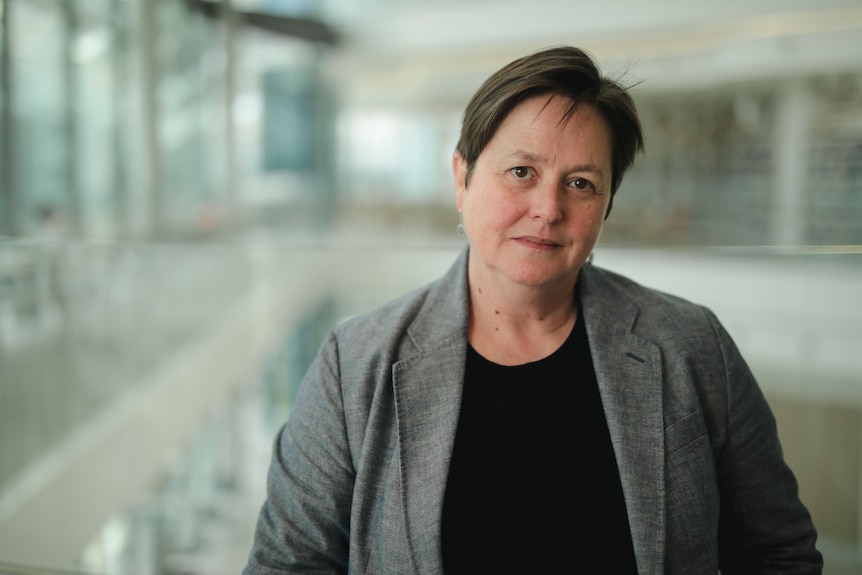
(529, 410)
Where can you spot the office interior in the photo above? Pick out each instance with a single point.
(193, 193)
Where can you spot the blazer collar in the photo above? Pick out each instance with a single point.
(446, 308)
(629, 374)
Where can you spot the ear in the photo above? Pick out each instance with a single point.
(459, 172)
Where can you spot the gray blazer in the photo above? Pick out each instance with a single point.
(359, 471)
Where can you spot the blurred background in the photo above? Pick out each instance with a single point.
(192, 193)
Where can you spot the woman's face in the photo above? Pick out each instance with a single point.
(537, 195)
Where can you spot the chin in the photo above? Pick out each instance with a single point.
(537, 278)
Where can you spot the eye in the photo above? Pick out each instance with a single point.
(521, 172)
(582, 184)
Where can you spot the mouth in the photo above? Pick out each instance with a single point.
(537, 243)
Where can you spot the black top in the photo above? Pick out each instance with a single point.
(533, 485)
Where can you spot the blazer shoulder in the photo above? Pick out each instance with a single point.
(420, 318)
(669, 320)
(646, 298)
(389, 321)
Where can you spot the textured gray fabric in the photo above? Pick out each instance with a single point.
(359, 470)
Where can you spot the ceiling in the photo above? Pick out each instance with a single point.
(422, 52)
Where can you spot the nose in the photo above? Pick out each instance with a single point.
(546, 205)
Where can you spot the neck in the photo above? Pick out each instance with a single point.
(512, 324)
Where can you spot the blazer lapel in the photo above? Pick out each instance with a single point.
(428, 387)
(428, 401)
(628, 370)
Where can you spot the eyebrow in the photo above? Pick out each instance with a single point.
(526, 155)
(534, 157)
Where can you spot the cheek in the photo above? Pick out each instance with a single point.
(588, 221)
(491, 211)
(505, 213)
(506, 208)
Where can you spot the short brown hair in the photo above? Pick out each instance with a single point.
(565, 71)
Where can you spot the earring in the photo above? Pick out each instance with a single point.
(460, 227)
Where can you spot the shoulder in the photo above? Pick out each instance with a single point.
(692, 340)
(611, 289)
(411, 322)
(389, 321)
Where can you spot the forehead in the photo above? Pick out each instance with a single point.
(552, 123)
(546, 111)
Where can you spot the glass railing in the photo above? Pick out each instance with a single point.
(81, 322)
(10, 569)
(141, 385)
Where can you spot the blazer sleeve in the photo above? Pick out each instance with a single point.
(763, 525)
(303, 526)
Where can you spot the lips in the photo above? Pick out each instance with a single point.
(537, 243)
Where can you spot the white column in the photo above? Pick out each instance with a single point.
(792, 135)
(231, 22)
(148, 31)
(8, 160)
